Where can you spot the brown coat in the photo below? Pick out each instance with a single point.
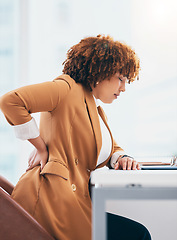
(58, 196)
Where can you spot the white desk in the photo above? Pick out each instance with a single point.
(149, 197)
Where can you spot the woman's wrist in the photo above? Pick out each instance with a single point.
(38, 143)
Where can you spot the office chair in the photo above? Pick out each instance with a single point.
(15, 222)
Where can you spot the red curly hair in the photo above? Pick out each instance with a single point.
(95, 59)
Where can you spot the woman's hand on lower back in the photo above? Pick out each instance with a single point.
(40, 154)
(37, 158)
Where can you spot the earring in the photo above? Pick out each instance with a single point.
(97, 83)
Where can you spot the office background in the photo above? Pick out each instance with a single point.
(34, 38)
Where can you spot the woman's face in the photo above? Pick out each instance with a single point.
(109, 90)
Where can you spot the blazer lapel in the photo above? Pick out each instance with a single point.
(94, 118)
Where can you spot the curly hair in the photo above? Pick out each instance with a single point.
(95, 59)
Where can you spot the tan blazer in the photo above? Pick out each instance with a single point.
(58, 196)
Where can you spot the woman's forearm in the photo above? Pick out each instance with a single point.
(38, 143)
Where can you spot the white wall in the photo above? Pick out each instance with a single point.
(143, 119)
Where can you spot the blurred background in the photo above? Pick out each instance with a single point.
(34, 39)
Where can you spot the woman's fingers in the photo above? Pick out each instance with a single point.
(134, 165)
(32, 164)
(31, 157)
(127, 163)
(124, 165)
(29, 167)
(42, 164)
(31, 160)
(38, 158)
(138, 166)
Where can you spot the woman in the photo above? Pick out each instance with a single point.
(74, 138)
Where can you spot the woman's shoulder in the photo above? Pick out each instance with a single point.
(65, 77)
(76, 88)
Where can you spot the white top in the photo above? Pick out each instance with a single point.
(106, 142)
(30, 130)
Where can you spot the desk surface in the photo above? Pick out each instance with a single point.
(148, 178)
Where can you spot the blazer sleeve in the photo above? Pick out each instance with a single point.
(18, 105)
(116, 148)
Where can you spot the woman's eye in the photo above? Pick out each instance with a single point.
(120, 79)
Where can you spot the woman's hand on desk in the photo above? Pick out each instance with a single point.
(126, 163)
